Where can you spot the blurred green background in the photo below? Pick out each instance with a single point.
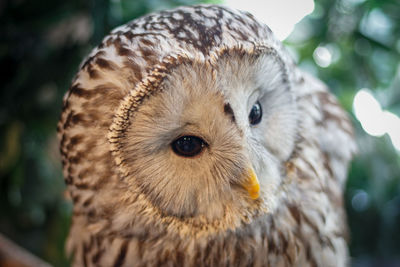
(349, 44)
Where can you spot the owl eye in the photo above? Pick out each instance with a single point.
(188, 146)
(255, 114)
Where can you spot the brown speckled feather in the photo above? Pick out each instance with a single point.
(127, 103)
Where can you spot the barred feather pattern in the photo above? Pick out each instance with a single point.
(114, 224)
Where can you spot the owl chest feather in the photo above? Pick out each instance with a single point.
(272, 242)
(307, 229)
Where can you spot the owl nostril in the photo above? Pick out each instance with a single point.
(188, 146)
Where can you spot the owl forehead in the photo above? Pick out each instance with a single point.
(197, 28)
(234, 73)
(196, 31)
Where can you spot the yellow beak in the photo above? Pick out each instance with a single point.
(251, 185)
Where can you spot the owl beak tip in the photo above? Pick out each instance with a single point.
(252, 185)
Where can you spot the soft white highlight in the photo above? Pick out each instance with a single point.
(373, 119)
(280, 16)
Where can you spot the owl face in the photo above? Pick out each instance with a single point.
(212, 135)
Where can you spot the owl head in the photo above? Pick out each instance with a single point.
(183, 118)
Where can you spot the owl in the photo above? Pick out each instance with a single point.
(190, 138)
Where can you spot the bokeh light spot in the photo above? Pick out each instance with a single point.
(322, 56)
(360, 201)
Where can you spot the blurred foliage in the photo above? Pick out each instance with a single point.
(43, 42)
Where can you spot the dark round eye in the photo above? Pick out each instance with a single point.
(255, 114)
(188, 146)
